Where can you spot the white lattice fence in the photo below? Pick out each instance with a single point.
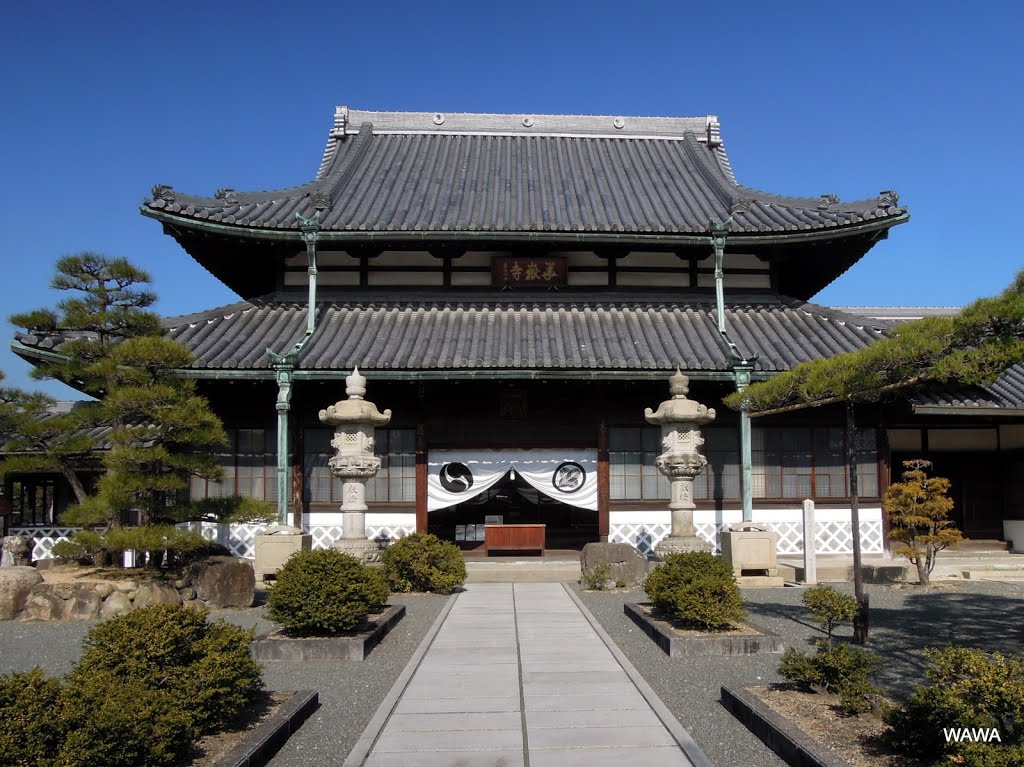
(832, 536)
(643, 537)
(43, 538)
(240, 540)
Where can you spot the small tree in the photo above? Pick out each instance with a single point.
(918, 509)
(830, 608)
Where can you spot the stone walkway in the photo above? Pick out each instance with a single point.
(517, 675)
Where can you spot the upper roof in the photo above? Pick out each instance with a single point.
(416, 172)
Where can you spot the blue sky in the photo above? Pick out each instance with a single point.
(103, 100)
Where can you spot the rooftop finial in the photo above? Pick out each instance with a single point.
(355, 384)
(679, 385)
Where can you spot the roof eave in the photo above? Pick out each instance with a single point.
(968, 410)
(665, 240)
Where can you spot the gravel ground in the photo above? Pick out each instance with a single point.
(904, 621)
(350, 692)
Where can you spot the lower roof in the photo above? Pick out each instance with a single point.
(460, 335)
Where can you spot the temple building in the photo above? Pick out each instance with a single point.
(517, 289)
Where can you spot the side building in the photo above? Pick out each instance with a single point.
(517, 289)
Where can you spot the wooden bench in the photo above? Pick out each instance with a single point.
(513, 538)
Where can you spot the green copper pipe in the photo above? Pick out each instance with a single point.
(741, 369)
(284, 367)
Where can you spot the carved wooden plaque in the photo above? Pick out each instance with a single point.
(529, 271)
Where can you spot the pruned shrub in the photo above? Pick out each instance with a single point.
(967, 688)
(111, 722)
(30, 726)
(205, 668)
(698, 589)
(324, 593)
(423, 562)
(597, 577)
(708, 602)
(841, 669)
(830, 607)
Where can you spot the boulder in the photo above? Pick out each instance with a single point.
(44, 606)
(224, 581)
(16, 584)
(16, 551)
(84, 604)
(116, 604)
(104, 590)
(156, 593)
(63, 589)
(625, 563)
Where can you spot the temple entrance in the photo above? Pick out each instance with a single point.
(556, 488)
(512, 501)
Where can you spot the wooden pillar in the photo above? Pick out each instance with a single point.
(421, 479)
(884, 479)
(603, 481)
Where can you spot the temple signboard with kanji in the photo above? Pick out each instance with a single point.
(529, 272)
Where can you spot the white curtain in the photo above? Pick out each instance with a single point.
(455, 476)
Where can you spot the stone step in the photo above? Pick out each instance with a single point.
(996, 573)
(890, 572)
(522, 571)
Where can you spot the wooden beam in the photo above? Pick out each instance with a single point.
(603, 481)
(421, 479)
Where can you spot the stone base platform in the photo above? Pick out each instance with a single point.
(276, 647)
(759, 581)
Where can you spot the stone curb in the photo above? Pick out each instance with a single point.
(713, 644)
(355, 647)
(363, 746)
(259, 746)
(787, 741)
(678, 732)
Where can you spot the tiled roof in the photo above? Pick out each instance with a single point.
(419, 172)
(519, 334)
(1005, 393)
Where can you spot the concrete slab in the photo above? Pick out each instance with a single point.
(447, 759)
(663, 756)
(393, 741)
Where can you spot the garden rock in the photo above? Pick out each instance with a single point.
(43, 606)
(16, 584)
(104, 590)
(117, 603)
(224, 581)
(16, 551)
(625, 564)
(84, 604)
(156, 593)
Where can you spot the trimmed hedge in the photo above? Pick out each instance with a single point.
(205, 667)
(423, 562)
(147, 685)
(29, 731)
(324, 593)
(967, 688)
(698, 589)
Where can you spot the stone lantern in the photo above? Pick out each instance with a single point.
(680, 420)
(354, 420)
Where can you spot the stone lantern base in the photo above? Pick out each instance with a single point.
(362, 549)
(680, 544)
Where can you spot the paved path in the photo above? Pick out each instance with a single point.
(517, 676)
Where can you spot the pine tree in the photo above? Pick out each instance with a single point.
(159, 432)
(918, 509)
